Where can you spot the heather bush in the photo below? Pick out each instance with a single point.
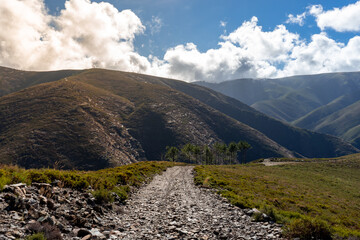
(308, 228)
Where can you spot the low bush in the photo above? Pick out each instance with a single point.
(36, 236)
(103, 196)
(37, 176)
(122, 192)
(307, 228)
(44, 231)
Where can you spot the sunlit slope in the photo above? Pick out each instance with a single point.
(66, 124)
(102, 118)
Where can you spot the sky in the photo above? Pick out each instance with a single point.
(191, 40)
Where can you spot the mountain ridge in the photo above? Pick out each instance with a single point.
(132, 117)
(304, 101)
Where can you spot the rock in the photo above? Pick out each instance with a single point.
(19, 192)
(91, 201)
(82, 232)
(255, 211)
(16, 234)
(96, 233)
(14, 203)
(16, 216)
(56, 183)
(33, 213)
(43, 200)
(11, 188)
(86, 237)
(249, 212)
(99, 209)
(107, 234)
(41, 185)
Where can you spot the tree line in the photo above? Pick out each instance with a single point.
(218, 153)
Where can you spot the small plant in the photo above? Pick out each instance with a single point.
(3, 181)
(307, 228)
(37, 176)
(80, 184)
(36, 236)
(103, 196)
(273, 215)
(258, 217)
(44, 231)
(122, 192)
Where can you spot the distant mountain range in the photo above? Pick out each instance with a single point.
(92, 119)
(326, 103)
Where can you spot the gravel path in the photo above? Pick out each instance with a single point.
(267, 162)
(172, 207)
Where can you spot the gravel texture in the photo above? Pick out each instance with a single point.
(170, 207)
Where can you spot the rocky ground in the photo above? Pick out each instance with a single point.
(170, 207)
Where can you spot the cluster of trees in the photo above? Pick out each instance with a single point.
(218, 153)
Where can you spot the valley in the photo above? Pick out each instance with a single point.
(325, 103)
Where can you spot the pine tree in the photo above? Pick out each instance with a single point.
(172, 153)
(188, 151)
(243, 147)
(232, 148)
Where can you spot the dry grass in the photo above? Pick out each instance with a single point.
(325, 191)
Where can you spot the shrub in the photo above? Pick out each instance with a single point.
(103, 196)
(18, 176)
(36, 236)
(40, 177)
(273, 214)
(122, 192)
(307, 228)
(80, 184)
(44, 231)
(122, 178)
(3, 182)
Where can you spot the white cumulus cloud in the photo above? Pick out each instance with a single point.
(89, 34)
(342, 19)
(322, 55)
(223, 24)
(85, 34)
(155, 25)
(247, 52)
(298, 19)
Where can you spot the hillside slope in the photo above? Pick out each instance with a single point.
(305, 143)
(340, 118)
(165, 116)
(319, 103)
(289, 98)
(12, 80)
(66, 124)
(100, 118)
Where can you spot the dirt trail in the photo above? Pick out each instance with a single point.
(267, 162)
(172, 207)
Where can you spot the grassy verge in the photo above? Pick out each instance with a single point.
(118, 180)
(324, 194)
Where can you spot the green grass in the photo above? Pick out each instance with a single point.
(327, 192)
(118, 180)
(36, 236)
